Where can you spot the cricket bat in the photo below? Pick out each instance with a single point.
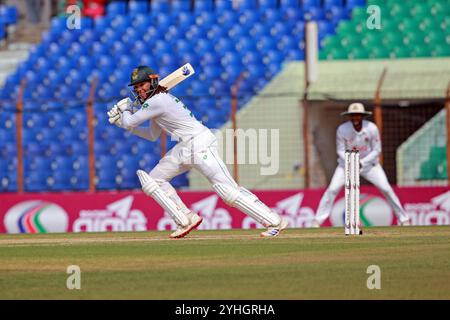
(177, 76)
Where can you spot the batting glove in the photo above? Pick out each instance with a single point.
(115, 116)
(125, 105)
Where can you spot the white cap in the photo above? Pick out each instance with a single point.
(356, 108)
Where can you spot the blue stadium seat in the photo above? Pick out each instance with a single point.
(336, 14)
(85, 23)
(248, 17)
(61, 163)
(203, 47)
(79, 180)
(255, 71)
(59, 181)
(206, 19)
(160, 6)
(246, 5)
(35, 180)
(8, 14)
(245, 45)
(295, 55)
(80, 163)
(116, 8)
(223, 5)
(325, 28)
(141, 21)
(330, 3)
(195, 32)
(236, 32)
(267, 4)
(271, 15)
(231, 59)
(218, 88)
(105, 179)
(7, 135)
(259, 30)
(210, 58)
(185, 20)
(31, 148)
(127, 179)
(272, 70)
(100, 26)
(148, 161)
(350, 4)
(180, 181)
(180, 6)
(227, 19)
(252, 57)
(136, 7)
(120, 22)
(314, 13)
(39, 164)
(289, 3)
(266, 43)
(307, 4)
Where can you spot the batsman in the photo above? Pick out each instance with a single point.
(155, 110)
(363, 135)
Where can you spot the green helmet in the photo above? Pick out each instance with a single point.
(143, 74)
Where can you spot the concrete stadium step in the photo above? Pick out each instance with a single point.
(11, 57)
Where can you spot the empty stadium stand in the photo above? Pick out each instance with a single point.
(221, 39)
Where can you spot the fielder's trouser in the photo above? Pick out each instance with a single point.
(375, 175)
(201, 153)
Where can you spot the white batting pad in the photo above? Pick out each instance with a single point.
(151, 188)
(247, 202)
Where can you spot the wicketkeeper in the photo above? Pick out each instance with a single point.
(196, 148)
(362, 135)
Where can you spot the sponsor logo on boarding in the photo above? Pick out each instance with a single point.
(374, 211)
(117, 216)
(435, 212)
(36, 216)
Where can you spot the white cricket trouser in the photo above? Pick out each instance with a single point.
(375, 175)
(199, 153)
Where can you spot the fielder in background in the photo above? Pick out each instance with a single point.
(362, 135)
(196, 148)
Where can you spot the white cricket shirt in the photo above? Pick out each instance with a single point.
(367, 141)
(166, 112)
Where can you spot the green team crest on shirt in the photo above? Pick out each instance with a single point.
(145, 105)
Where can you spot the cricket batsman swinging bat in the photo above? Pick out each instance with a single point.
(169, 82)
(177, 76)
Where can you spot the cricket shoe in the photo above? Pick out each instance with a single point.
(315, 224)
(275, 231)
(194, 222)
(405, 222)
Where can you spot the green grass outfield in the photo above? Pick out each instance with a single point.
(234, 264)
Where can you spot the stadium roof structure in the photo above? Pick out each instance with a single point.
(415, 78)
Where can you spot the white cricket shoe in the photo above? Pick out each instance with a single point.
(275, 231)
(194, 222)
(315, 224)
(405, 222)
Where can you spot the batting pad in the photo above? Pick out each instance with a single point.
(248, 203)
(152, 189)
